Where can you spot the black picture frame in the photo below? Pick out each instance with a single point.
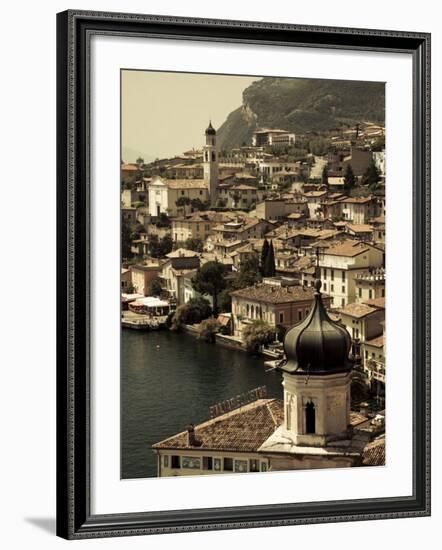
(74, 519)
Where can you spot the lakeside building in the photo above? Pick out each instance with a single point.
(311, 427)
(142, 275)
(278, 302)
(177, 272)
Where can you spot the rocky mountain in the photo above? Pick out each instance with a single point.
(302, 105)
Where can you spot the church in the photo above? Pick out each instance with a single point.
(164, 192)
(311, 426)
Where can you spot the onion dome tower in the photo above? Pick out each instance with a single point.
(210, 163)
(317, 378)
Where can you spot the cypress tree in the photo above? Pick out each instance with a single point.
(269, 266)
(264, 253)
(324, 177)
(349, 177)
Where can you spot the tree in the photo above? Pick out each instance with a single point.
(194, 244)
(166, 245)
(225, 301)
(371, 176)
(198, 204)
(269, 264)
(139, 161)
(125, 238)
(264, 252)
(349, 177)
(210, 279)
(195, 311)
(163, 220)
(257, 334)
(182, 201)
(324, 176)
(130, 288)
(157, 247)
(235, 197)
(208, 330)
(248, 274)
(155, 288)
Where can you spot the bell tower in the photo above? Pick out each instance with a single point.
(210, 163)
(317, 378)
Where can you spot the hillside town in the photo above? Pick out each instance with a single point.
(242, 248)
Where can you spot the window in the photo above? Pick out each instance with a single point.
(207, 463)
(201, 191)
(299, 315)
(343, 290)
(175, 461)
(310, 420)
(360, 292)
(254, 465)
(332, 288)
(166, 461)
(325, 273)
(342, 302)
(332, 274)
(182, 193)
(281, 317)
(343, 275)
(383, 293)
(370, 294)
(228, 464)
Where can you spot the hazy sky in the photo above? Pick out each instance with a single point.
(164, 114)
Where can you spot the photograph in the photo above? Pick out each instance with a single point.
(253, 281)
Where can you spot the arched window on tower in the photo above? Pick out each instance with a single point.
(213, 156)
(310, 419)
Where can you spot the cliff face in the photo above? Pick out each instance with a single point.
(302, 105)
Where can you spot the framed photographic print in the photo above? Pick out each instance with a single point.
(243, 274)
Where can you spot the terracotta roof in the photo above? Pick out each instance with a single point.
(182, 253)
(243, 187)
(360, 228)
(186, 184)
(355, 200)
(374, 452)
(378, 303)
(130, 167)
(315, 194)
(348, 248)
(180, 183)
(376, 342)
(275, 294)
(243, 429)
(358, 311)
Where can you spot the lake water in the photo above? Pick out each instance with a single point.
(169, 380)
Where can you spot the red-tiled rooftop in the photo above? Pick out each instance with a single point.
(270, 294)
(243, 429)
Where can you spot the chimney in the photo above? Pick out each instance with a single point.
(191, 437)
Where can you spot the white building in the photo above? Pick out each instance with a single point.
(341, 263)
